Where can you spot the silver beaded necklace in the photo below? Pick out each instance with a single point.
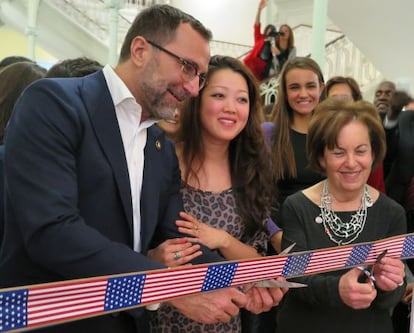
(342, 233)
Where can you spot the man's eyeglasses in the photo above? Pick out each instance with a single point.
(188, 68)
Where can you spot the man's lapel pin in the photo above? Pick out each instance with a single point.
(158, 145)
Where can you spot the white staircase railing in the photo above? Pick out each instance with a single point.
(343, 58)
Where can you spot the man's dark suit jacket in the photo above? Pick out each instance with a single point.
(1, 193)
(67, 195)
(402, 168)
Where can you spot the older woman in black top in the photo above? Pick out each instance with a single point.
(345, 140)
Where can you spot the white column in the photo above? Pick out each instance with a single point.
(31, 28)
(113, 7)
(320, 12)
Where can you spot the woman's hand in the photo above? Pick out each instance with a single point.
(262, 4)
(199, 232)
(175, 252)
(355, 294)
(275, 50)
(389, 273)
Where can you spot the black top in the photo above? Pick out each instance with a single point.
(319, 305)
(305, 177)
(283, 57)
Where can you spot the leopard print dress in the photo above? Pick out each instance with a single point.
(217, 210)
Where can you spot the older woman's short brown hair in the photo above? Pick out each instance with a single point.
(331, 116)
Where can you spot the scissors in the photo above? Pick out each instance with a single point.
(280, 284)
(369, 273)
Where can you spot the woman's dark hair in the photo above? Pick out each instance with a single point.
(248, 153)
(12, 60)
(14, 79)
(269, 28)
(76, 67)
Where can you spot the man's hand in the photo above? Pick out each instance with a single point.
(212, 307)
(263, 299)
(175, 252)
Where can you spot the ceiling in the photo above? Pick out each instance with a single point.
(383, 31)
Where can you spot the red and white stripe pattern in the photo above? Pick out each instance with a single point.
(36, 306)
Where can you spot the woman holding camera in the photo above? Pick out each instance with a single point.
(285, 46)
(271, 49)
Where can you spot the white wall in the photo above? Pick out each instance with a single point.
(230, 20)
(383, 31)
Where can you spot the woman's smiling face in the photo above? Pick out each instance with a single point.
(224, 105)
(303, 90)
(349, 164)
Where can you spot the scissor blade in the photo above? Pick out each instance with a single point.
(279, 284)
(288, 249)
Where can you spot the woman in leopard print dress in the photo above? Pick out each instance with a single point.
(226, 184)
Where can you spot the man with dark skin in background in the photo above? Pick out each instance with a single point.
(383, 95)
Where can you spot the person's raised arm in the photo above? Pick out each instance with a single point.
(262, 4)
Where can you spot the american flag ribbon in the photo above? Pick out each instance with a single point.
(36, 306)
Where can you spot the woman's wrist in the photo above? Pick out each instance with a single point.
(226, 241)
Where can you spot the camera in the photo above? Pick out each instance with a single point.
(275, 33)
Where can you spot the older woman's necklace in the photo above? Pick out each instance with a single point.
(342, 233)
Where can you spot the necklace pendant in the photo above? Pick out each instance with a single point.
(318, 219)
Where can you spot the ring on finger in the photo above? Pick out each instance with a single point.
(197, 228)
(177, 255)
